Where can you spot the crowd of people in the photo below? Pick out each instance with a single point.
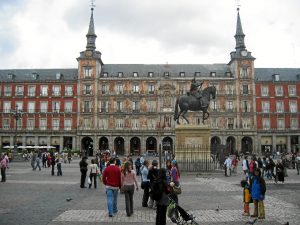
(158, 184)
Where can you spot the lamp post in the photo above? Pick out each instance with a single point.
(17, 113)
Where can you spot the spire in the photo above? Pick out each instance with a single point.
(239, 35)
(91, 36)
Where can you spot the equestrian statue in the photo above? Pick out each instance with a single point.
(195, 100)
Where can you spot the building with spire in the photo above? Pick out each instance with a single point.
(129, 108)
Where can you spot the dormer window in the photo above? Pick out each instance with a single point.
(58, 76)
(11, 76)
(35, 76)
(166, 74)
(212, 74)
(228, 74)
(150, 74)
(105, 74)
(120, 74)
(276, 77)
(197, 74)
(182, 74)
(135, 74)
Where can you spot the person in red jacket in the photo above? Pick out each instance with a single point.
(111, 178)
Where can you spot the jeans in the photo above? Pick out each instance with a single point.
(112, 200)
(298, 168)
(93, 175)
(59, 172)
(37, 164)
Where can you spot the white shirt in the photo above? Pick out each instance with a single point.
(245, 167)
(227, 162)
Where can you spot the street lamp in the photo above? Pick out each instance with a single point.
(17, 113)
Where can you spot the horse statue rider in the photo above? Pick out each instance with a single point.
(196, 89)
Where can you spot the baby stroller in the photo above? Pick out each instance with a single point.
(178, 215)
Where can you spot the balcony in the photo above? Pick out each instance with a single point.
(56, 94)
(31, 94)
(44, 94)
(87, 110)
(68, 93)
(7, 93)
(19, 93)
(87, 92)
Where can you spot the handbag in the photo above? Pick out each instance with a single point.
(89, 180)
(176, 189)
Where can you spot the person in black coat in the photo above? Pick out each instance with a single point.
(83, 169)
(152, 174)
(52, 163)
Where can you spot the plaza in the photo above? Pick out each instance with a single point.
(37, 198)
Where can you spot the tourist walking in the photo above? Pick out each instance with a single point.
(83, 169)
(279, 172)
(38, 160)
(52, 163)
(258, 190)
(58, 165)
(44, 159)
(128, 180)
(245, 166)
(152, 174)
(94, 170)
(175, 180)
(33, 161)
(145, 183)
(234, 164)
(3, 165)
(111, 178)
(227, 166)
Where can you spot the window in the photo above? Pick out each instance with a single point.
(279, 91)
(31, 107)
(87, 89)
(119, 124)
(104, 89)
(279, 106)
(135, 74)
(55, 124)
(6, 107)
(150, 74)
(88, 72)
(55, 107)
(280, 124)
(105, 74)
(58, 76)
(214, 106)
(103, 106)
(294, 123)
(56, 90)
(213, 74)
(5, 123)
(30, 124)
(292, 90)
(276, 77)
(166, 74)
(19, 91)
(182, 74)
(119, 106)
(103, 124)
(31, 91)
(86, 107)
(86, 123)
(151, 89)
(214, 122)
(245, 89)
(151, 124)
(229, 90)
(266, 123)
(197, 74)
(20, 105)
(246, 106)
(44, 107)
(246, 123)
(265, 107)
(293, 106)
(136, 88)
(151, 106)
(135, 124)
(68, 90)
(264, 91)
(135, 106)
(7, 91)
(68, 106)
(230, 123)
(43, 124)
(120, 88)
(229, 105)
(44, 90)
(120, 74)
(244, 72)
(68, 124)
(182, 89)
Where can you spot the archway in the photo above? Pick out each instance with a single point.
(247, 145)
(103, 144)
(119, 146)
(215, 144)
(167, 144)
(87, 147)
(151, 144)
(230, 145)
(135, 146)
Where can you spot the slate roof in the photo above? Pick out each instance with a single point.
(26, 75)
(285, 74)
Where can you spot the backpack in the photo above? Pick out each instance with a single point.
(156, 189)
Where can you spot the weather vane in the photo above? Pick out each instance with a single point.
(238, 4)
(93, 4)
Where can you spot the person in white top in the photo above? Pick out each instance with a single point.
(94, 170)
(227, 165)
(245, 165)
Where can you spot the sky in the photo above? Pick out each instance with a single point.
(37, 34)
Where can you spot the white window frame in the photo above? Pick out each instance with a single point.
(31, 91)
(31, 107)
(280, 124)
(278, 90)
(19, 90)
(265, 91)
(119, 88)
(88, 72)
(44, 107)
(293, 106)
(56, 90)
(279, 106)
(294, 123)
(68, 90)
(43, 123)
(55, 124)
(6, 107)
(68, 106)
(265, 106)
(136, 88)
(56, 107)
(30, 124)
(44, 90)
(7, 91)
(266, 124)
(292, 90)
(67, 124)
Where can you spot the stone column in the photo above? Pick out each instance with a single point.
(74, 143)
(61, 143)
(273, 143)
(258, 144)
(288, 145)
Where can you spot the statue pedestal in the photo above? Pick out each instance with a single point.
(192, 146)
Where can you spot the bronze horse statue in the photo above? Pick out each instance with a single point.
(189, 102)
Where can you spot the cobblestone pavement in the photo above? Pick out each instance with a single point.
(36, 197)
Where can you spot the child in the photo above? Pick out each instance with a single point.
(258, 190)
(246, 197)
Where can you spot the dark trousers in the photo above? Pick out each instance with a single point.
(3, 174)
(161, 212)
(83, 176)
(146, 195)
(52, 170)
(93, 175)
(59, 172)
(128, 192)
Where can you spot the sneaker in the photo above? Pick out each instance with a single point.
(110, 215)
